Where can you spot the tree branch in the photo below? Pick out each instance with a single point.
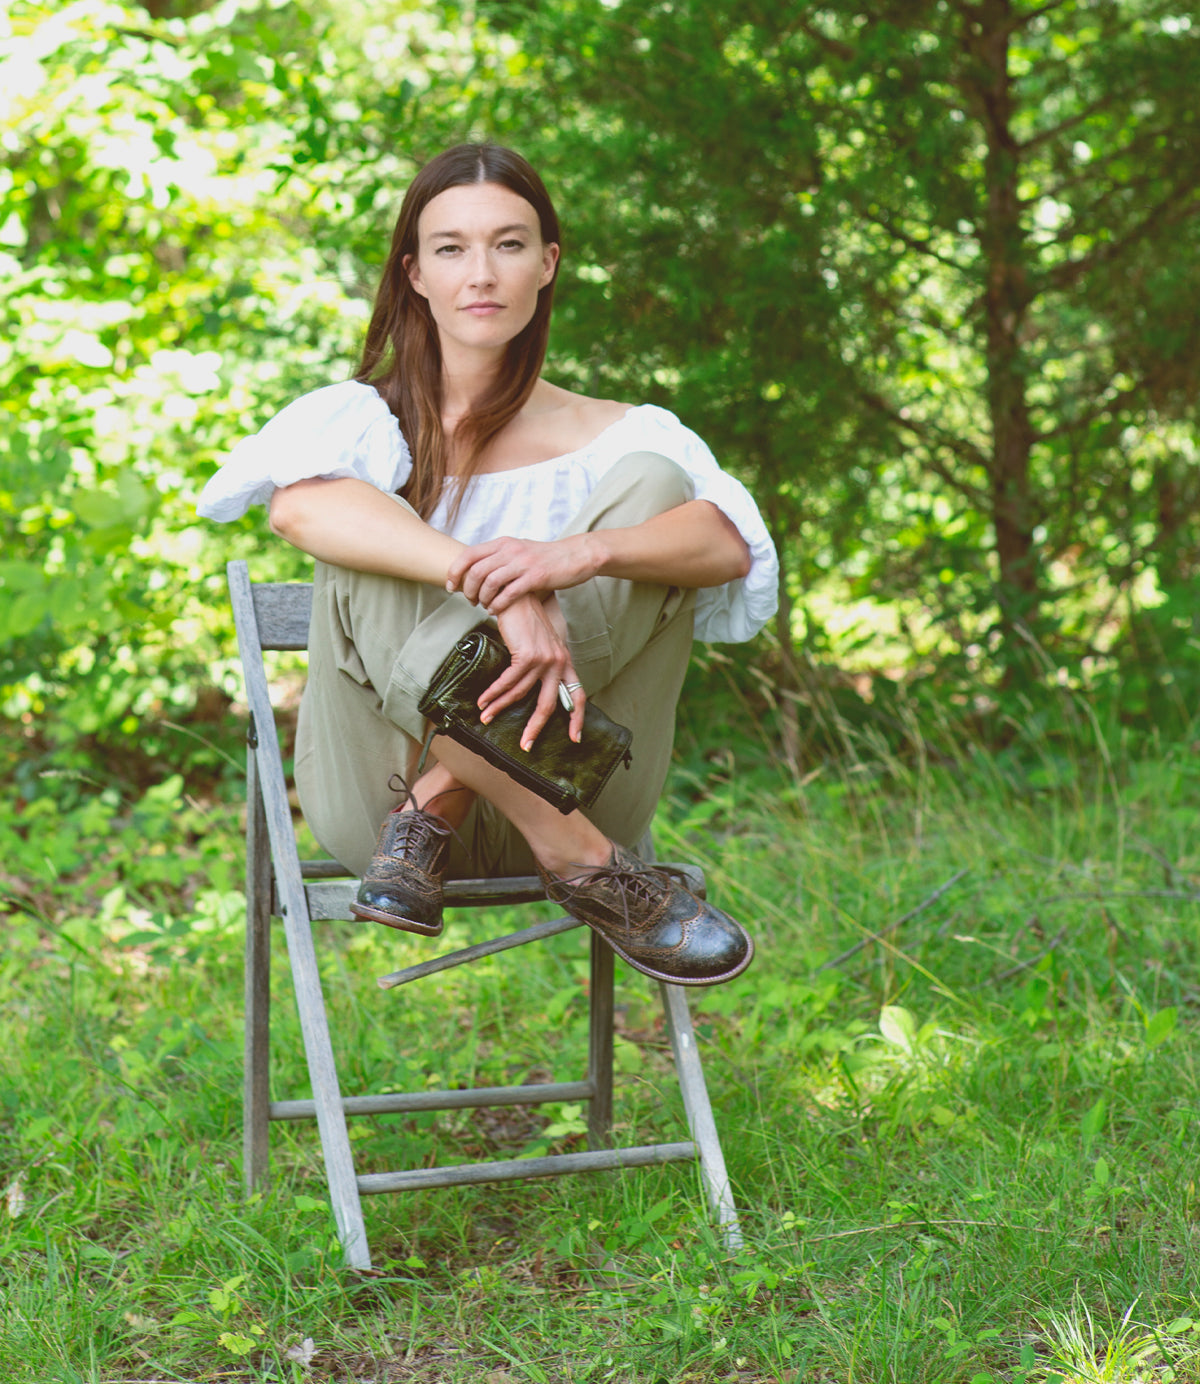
(1097, 175)
(844, 51)
(921, 246)
(933, 436)
(1085, 420)
(1110, 98)
(892, 926)
(1022, 21)
(1064, 275)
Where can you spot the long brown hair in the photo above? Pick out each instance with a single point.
(402, 357)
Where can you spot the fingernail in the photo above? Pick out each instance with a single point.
(526, 747)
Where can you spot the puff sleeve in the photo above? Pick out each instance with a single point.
(342, 430)
(739, 609)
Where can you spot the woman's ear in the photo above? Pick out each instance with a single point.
(549, 261)
(413, 269)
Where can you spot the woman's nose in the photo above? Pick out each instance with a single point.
(482, 269)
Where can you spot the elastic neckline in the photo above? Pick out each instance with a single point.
(585, 450)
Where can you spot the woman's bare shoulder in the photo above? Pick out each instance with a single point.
(575, 418)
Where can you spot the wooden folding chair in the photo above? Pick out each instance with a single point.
(279, 884)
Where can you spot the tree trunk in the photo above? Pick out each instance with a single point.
(789, 667)
(1006, 301)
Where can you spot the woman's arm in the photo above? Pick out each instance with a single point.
(349, 523)
(693, 545)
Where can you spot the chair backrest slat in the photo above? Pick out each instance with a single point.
(282, 611)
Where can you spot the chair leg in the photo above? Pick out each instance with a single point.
(256, 1095)
(600, 1045)
(327, 1099)
(699, 1113)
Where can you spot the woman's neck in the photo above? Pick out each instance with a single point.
(466, 379)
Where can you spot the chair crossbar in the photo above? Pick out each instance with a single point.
(329, 899)
(514, 1169)
(537, 932)
(473, 1098)
(331, 893)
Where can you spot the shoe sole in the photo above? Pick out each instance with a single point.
(377, 915)
(677, 980)
(374, 915)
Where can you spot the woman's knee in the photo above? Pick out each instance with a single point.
(657, 482)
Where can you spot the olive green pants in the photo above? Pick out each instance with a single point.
(375, 643)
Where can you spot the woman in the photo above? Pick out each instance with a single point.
(571, 522)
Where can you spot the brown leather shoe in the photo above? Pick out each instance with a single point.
(650, 919)
(403, 883)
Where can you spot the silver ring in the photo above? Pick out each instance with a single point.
(566, 701)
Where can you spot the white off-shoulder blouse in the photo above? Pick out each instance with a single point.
(346, 430)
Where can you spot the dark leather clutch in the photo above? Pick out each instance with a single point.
(564, 773)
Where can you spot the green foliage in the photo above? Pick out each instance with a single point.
(164, 293)
(922, 272)
(956, 1093)
(949, 339)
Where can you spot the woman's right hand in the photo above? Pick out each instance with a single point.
(539, 653)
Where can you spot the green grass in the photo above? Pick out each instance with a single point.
(967, 1152)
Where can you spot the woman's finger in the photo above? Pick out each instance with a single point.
(457, 571)
(514, 585)
(503, 584)
(542, 712)
(520, 677)
(579, 697)
(573, 700)
(512, 686)
(509, 687)
(478, 575)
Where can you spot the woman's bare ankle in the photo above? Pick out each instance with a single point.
(567, 858)
(437, 791)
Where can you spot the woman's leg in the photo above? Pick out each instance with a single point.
(630, 644)
(375, 643)
(631, 641)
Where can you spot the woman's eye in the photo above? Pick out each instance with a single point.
(447, 250)
(512, 244)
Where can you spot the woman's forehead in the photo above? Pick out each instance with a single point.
(477, 208)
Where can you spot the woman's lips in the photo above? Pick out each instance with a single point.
(482, 309)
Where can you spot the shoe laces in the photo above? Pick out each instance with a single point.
(635, 884)
(414, 825)
(399, 784)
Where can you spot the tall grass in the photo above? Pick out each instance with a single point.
(964, 1151)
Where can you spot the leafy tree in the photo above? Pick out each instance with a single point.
(163, 239)
(1041, 166)
(928, 270)
(925, 274)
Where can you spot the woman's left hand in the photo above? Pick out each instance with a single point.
(535, 635)
(495, 574)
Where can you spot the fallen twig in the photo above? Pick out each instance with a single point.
(891, 927)
(924, 1225)
(1169, 868)
(1058, 937)
(1099, 895)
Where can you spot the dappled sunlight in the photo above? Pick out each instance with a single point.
(949, 342)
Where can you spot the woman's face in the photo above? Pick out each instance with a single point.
(480, 262)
